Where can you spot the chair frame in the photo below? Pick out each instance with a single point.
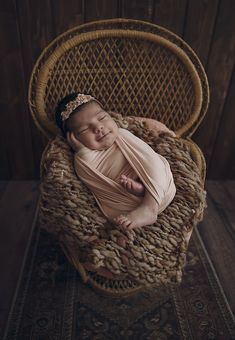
(129, 29)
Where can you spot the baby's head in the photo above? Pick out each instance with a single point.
(83, 116)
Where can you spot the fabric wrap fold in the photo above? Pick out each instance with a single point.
(129, 155)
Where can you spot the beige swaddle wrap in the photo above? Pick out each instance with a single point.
(130, 156)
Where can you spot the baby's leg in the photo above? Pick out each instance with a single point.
(144, 214)
(135, 187)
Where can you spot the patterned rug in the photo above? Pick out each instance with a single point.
(52, 302)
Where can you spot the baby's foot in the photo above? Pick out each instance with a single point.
(132, 186)
(140, 217)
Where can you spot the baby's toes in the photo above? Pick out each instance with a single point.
(129, 184)
(126, 223)
(132, 225)
(120, 219)
(123, 177)
(116, 220)
(123, 183)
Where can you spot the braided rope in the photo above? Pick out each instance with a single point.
(152, 255)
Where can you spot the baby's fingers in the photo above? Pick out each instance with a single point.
(73, 141)
(69, 139)
(73, 138)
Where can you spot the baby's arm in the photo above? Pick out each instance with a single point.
(152, 124)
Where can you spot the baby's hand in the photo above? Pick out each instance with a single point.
(75, 144)
(152, 124)
(157, 127)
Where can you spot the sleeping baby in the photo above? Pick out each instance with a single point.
(131, 183)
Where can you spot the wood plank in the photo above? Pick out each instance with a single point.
(16, 215)
(230, 188)
(3, 185)
(5, 164)
(170, 15)
(17, 212)
(142, 10)
(219, 71)
(16, 133)
(215, 230)
(230, 173)
(222, 163)
(36, 30)
(198, 29)
(66, 17)
(27, 27)
(223, 203)
(100, 10)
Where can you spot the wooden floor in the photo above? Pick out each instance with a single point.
(18, 204)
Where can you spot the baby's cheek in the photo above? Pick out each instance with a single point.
(115, 127)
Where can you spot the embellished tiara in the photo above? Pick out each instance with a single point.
(73, 104)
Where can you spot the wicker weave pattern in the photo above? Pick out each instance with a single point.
(132, 67)
(149, 82)
(107, 60)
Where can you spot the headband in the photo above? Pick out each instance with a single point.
(73, 104)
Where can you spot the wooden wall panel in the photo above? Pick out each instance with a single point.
(219, 70)
(36, 29)
(137, 9)
(39, 23)
(170, 15)
(100, 9)
(15, 127)
(27, 27)
(223, 156)
(66, 15)
(199, 28)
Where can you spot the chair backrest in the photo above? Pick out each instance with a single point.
(131, 67)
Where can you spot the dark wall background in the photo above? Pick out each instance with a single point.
(27, 26)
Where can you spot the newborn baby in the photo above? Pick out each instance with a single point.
(131, 183)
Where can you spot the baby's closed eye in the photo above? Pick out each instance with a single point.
(102, 117)
(83, 130)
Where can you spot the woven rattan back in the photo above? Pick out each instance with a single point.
(132, 67)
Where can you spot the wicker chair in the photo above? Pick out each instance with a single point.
(135, 68)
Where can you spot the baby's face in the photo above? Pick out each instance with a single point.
(94, 127)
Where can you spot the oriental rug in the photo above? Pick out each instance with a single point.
(52, 303)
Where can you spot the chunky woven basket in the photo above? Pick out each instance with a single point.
(132, 67)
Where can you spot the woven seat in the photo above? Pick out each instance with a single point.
(132, 67)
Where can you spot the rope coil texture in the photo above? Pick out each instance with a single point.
(153, 255)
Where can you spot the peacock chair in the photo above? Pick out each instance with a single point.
(135, 68)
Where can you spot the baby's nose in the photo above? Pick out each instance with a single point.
(98, 128)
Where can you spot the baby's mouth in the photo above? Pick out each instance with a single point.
(103, 136)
